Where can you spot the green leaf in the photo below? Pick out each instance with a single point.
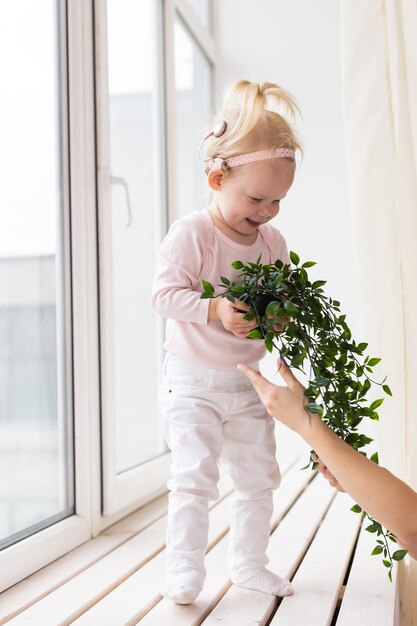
(208, 287)
(255, 334)
(386, 563)
(273, 308)
(298, 359)
(376, 404)
(238, 288)
(399, 555)
(318, 341)
(314, 408)
(372, 528)
(374, 458)
(362, 346)
(321, 381)
(294, 258)
(290, 307)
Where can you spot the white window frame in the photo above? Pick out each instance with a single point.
(130, 489)
(31, 554)
(206, 42)
(120, 491)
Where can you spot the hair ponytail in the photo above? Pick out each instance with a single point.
(259, 115)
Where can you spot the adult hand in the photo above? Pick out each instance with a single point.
(321, 467)
(286, 403)
(231, 315)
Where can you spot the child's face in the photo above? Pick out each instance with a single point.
(249, 196)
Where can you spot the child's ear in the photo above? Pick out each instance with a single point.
(215, 179)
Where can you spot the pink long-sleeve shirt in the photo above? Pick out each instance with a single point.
(195, 249)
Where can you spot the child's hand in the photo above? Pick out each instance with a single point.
(280, 327)
(231, 315)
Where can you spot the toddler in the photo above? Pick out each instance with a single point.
(209, 407)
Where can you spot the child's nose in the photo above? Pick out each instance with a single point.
(265, 211)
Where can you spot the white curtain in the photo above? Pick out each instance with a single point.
(379, 72)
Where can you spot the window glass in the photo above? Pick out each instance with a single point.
(131, 328)
(203, 9)
(36, 469)
(193, 85)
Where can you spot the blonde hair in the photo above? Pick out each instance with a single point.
(256, 115)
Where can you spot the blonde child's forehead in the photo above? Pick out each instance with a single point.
(273, 177)
(267, 167)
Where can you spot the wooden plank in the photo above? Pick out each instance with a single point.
(293, 535)
(78, 594)
(369, 599)
(217, 581)
(286, 549)
(82, 592)
(290, 446)
(49, 578)
(133, 599)
(28, 592)
(145, 584)
(241, 606)
(319, 579)
(292, 485)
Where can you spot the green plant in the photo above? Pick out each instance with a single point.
(313, 331)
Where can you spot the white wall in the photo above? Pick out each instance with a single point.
(297, 45)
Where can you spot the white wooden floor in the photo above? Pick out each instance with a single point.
(114, 579)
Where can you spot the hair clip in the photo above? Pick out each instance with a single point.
(224, 166)
(217, 132)
(219, 129)
(217, 163)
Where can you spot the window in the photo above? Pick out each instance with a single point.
(131, 221)
(88, 133)
(203, 8)
(132, 99)
(193, 107)
(36, 451)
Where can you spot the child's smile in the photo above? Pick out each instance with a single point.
(249, 196)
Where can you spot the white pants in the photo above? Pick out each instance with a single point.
(210, 413)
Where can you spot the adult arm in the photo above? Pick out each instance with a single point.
(381, 494)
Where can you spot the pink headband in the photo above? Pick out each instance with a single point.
(250, 157)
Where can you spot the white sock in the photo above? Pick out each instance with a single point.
(268, 582)
(183, 588)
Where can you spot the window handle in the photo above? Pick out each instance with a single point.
(118, 180)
